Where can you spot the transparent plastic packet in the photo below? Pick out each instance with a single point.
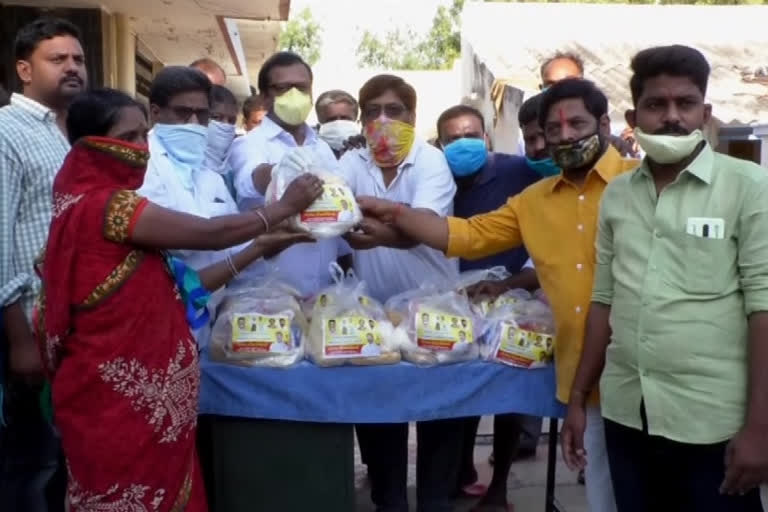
(259, 325)
(487, 305)
(520, 334)
(472, 277)
(484, 304)
(334, 213)
(435, 326)
(349, 327)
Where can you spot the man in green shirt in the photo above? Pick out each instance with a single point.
(678, 325)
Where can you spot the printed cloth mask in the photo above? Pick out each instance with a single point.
(220, 137)
(668, 149)
(545, 167)
(578, 154)
(389, 141)
(185, 145)
(466, 156)
(293, 107)
(336, 133)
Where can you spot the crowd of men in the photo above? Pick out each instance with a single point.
(656, 270)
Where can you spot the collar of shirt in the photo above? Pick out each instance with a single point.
(701, 167)
(38, 110)
(605, 168)
(272, 130)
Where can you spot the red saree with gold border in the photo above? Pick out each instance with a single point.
(116, 343)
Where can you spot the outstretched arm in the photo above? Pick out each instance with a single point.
(162, 228)
(267, 245)
(477, 237)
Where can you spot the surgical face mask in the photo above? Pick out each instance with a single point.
(185, 144)
(544, 167)
(336, 133)
(668, 149)
(389, 140)
(466, 156)
(293, 107)
(578, 154)
(220, 137)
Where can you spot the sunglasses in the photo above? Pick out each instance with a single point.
(184, 114)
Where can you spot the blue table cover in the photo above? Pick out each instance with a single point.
(376, 394)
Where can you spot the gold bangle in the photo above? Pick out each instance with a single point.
(232, 268)
(263, 219)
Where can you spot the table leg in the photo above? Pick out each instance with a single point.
(551, 504)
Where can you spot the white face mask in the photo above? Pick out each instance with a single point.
(219, 139)
(335, 133)
(668, 149)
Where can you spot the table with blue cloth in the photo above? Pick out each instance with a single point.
(282, 439)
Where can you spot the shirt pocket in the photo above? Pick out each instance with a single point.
(702, 265)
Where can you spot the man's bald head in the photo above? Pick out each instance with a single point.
(212, 70)
(559, 67)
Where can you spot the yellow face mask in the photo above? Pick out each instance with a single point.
(390, 141)
(293, 107)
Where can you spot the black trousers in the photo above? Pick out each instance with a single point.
(508, 435)
(438, 454)
(33, 475)
(655, 474)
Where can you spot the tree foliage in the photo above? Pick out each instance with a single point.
(303, 35)
(404, 49)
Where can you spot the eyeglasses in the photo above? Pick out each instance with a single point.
(279, 89)
(391, 110)
(184, 114)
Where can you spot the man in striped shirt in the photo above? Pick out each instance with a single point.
(33, 144)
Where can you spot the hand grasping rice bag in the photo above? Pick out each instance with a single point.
(334, 213)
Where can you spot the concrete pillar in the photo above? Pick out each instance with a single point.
(109, 45)
(126, 54)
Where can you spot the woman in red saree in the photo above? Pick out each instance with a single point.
(113, 330)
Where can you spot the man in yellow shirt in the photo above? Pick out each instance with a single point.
(556, 220)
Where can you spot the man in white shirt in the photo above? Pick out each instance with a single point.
(50, 65)
(402, 168)
(179, 175)
(370, 348)
(337, 114)
(283, 137)
(279, 345)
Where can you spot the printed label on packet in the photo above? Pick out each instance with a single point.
(523, 348)
(440, 331)
(335, 205)
(323, 301)
(257, 333)
(351, 336)
(488, 305)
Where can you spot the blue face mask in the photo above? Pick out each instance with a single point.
(185, 144)
(545, 167)
(466, 156)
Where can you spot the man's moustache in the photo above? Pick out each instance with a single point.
(671, 130)
(71, 78)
